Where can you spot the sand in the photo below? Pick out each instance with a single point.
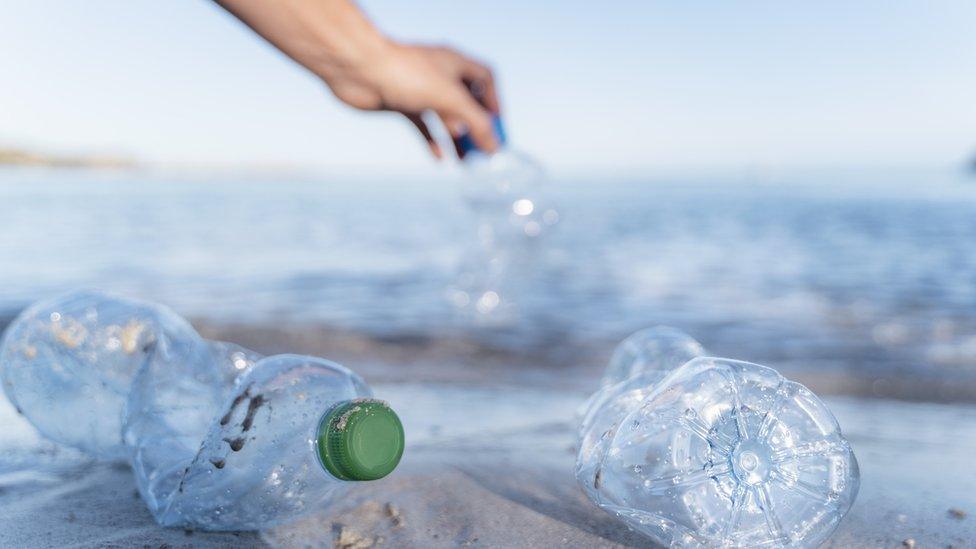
(489, 463)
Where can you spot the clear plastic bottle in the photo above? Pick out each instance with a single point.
(219, 438)
(506, 194)
(696, 451)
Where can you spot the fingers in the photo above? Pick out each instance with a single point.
(461, 113)
(456, 129)
(421, 126)
(481, 83)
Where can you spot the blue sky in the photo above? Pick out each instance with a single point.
(588, 87)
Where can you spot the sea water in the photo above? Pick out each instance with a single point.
(863, 271)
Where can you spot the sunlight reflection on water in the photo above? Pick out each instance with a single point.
(878, 272)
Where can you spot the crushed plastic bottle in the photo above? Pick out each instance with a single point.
(506, 195)
(219, 437)
(696, 451)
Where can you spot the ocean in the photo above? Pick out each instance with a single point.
(871, 272)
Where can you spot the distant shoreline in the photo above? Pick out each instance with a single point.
(23, 157)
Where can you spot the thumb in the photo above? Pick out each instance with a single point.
(418, 122)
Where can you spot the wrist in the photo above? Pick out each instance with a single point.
(346, 45)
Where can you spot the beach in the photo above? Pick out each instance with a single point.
(489, 463)
(725, 256)
(859, 287)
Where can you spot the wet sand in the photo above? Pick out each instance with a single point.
(511, 485)
(489, 463)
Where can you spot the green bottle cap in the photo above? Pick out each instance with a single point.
(360, 439)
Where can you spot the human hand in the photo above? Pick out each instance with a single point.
(412, 79)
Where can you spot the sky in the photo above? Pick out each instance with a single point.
(587, 87)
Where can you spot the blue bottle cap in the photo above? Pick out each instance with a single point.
(466, 144)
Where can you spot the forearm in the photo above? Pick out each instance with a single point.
(328, 37)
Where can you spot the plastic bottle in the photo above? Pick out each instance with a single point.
(505, 193)
(696, 451)
(219, 437)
